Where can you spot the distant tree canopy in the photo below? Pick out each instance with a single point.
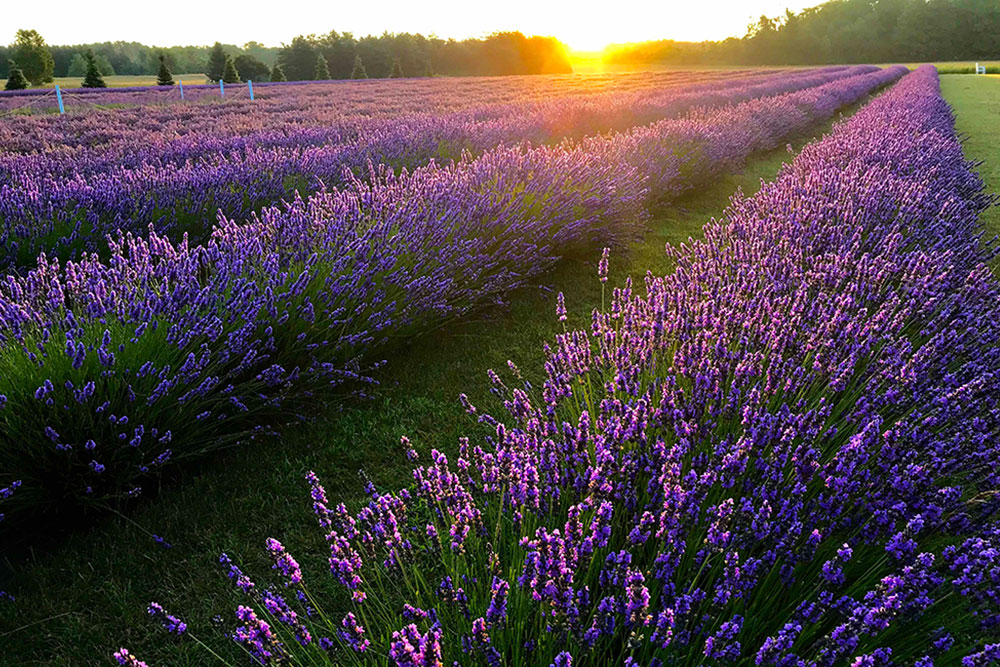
(133, 58)
(498, 54)
(838, 31)
(298, 60)
(501, 53)
(78, 66)
(844, 31)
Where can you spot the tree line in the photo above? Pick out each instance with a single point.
(843, 31)
(308, 57)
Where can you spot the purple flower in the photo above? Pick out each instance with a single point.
(412, 648)
(284, 562)
(123, 657)
(170, 623)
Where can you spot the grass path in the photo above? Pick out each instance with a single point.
(976, 101)
(117, 80)
(85, 599)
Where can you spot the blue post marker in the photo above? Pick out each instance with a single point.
(222, 89)
(59, 98)
(182, 89)
(250, 83)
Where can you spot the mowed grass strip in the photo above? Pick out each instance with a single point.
(85, 599)
(117, 80)
(976, 101)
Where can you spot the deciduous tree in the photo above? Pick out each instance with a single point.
(33, 56)
(298, 59)
(250, 68)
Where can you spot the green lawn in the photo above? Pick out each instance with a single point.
(963, 67)
(976, 101)
(118, 80)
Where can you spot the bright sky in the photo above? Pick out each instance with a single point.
(581, 25)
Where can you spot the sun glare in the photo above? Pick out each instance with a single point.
(587, 39)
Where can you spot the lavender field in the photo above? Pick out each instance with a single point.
(780, 451)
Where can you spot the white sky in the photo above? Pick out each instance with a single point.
(581, 25)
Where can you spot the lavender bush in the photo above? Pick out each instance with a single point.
(112, 370)
(783, 453)
(64, 187)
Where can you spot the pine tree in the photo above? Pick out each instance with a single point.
(278, 74)
(216, 63)
(163, 77)
(397, 69)
(92, 79)
(15, 80)
(322, 69)
(229, 74)
(359, 69)
(428, 68)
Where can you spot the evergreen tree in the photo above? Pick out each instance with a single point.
(229, 74)
(397, 69)
(15, 80)
(216, 62)
(278, 74)
(163, 77)
(358, 72)
(428, 68)
(78, 65)
(322, 69)
(92, 79)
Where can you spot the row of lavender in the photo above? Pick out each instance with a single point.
(376, 96)
(166, 135)
(66, 201)
(110, 370)
(784, 453)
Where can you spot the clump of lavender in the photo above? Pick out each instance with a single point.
(783, 453)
